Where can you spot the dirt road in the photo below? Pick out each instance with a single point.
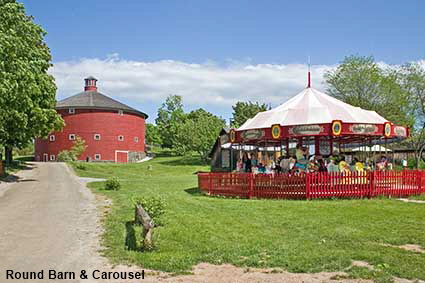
(47, 221)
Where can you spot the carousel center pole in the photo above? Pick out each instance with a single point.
(316, 146)
(287, 147)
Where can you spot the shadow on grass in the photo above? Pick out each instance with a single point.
(194, 191)
(16, 166)
(130, 238)
(184, 160)
(25, 158)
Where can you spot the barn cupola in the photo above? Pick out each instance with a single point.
(90, 84)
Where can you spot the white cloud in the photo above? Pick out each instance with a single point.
(201, 85)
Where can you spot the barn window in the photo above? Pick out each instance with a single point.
(72, 137)
(71, 110)
(136, 139)
(52, 157)
(97, 137)
(120, 112)
(52, 137)
(121, 138)
(97, 156)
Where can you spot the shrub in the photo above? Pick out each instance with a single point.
(79, 146)
(81, 166)
(154, 206)
(66, 156)
(411, 164)
(113, 184)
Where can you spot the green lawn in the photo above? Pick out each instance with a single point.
(298, 236)
(419, 197)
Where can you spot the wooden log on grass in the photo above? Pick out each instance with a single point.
(142, 217)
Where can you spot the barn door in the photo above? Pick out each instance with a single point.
(121, 156)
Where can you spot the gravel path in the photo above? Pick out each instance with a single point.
(48, 220)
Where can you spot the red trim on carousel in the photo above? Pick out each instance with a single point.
(348, 131)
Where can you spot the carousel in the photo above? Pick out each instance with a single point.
(312, 120)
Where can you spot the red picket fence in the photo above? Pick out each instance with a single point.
(314, 185)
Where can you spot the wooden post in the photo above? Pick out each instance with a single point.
(142, 217)
(316, 146)
(418, 180)
(307, 186)
(371, 183)
(251, 185)
(331, 144)
(210, 183)
(287, 148)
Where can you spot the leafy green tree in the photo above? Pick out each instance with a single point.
(153, 135)
(170, 114)
(72, 154)
(412, 79)
(198, 132)
(361, 82)
(27, 91)
(78, 147)
(243, 111)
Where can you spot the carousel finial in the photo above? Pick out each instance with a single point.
(309, 74)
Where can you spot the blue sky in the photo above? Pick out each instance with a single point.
(223, 40)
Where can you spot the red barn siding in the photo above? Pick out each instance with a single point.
(86, 123)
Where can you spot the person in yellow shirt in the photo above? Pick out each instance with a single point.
(359, 167)
(342, 165)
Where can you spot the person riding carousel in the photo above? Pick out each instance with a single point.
(301, 153)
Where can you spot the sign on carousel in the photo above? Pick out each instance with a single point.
(387, 129)
(400, 131)
(276, 131)
(336, 128)
(232, 135)
(253, 134)
(306, 130)
(363, 129)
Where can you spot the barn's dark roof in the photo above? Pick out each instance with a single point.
(95, 100)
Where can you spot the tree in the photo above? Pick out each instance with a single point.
(27, 91)
(243, 111)
(360, 81)
(198, 132)
(169, 115)
(78, 147)
(153, 135)
(412, 79)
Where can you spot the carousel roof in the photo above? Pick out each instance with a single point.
(311, 106)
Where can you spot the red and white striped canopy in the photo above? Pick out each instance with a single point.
(311, 106)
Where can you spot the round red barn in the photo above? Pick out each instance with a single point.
(112, 130)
